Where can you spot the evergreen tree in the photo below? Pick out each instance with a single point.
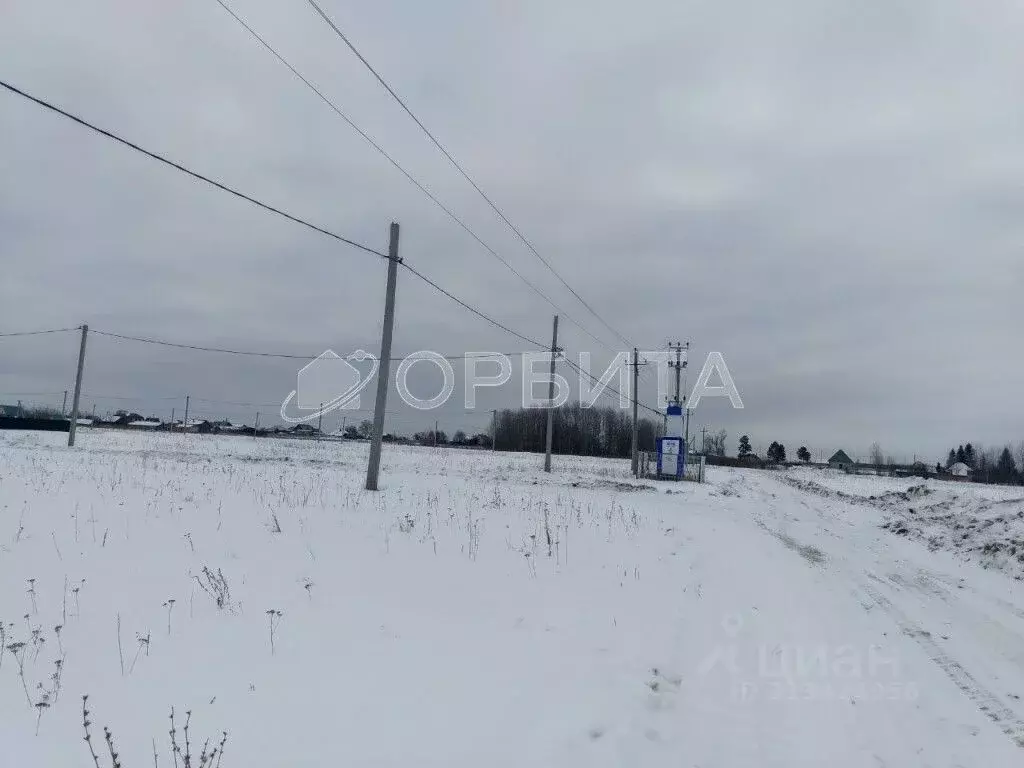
(1006, 469)
(803, 454)
(745, 449)
(969, 455)
(776, 452)
(951, 459)
(960, 455)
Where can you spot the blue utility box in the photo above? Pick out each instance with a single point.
(671, 457)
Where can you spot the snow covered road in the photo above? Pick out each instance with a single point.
(478, 612)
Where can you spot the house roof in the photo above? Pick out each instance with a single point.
(840, 457)
(960, 469)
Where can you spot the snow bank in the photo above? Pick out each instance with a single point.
(984, 523)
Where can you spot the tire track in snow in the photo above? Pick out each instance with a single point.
(986, 701)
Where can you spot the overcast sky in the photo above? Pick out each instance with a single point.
(830, 194)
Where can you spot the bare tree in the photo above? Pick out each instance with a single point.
(877, 455)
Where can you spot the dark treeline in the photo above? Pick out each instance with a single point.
(605, 431)
(991, 465)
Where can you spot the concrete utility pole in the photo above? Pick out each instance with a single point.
(185, 425)
(64, 405)
(551, 397)
(679, 364)
(320, 421)
(373, 467)
(256, 428)
(635, 452)
(494, 429)
(704, 439)
(172, 419)
(435, 433)
(78, 387)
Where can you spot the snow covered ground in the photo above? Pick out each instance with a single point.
(983, 523)
(477, 612)
(866, 486)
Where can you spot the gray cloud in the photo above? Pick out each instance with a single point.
(828, 194)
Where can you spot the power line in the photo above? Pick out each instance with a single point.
(39, 333)
(130, 397)
(415, 182)
(199, 348)
(289, 356)
(593, 378)
(253, 200)
(475, 311)
(460, 169)
(193, 174)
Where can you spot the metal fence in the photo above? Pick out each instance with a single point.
(693, 471)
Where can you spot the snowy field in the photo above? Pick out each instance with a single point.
(477, 612)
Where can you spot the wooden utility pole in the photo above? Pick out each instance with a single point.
(373, 466)
(64, 405)
(435, 433)
(78, 387)
(551, 397)
(494, 429)
(256, 428)
(704, 439)
(320, 422)
(185, 425)
(172, 419)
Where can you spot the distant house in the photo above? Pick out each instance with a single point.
(840, 460)
(961, 471)
(10, 411)
(304, 429)
(143, 424)
(124, 419)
